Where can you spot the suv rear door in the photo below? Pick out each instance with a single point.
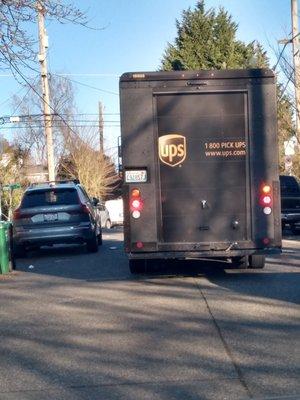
(51, 207)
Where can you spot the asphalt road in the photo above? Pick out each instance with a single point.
(78, 326)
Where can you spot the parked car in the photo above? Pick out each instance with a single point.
(115, 209)
(104, 216)
(56, 212)
(290, 202)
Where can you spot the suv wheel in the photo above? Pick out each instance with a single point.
(137, 266)
(99, 238)
(240, 262)
(92, 244)
(18, 251)
(257, 261)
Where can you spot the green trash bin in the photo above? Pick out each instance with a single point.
(6, 259)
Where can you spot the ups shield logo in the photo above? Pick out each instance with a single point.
(172, 149)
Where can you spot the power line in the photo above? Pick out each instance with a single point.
(37, 93)
(86, 85)
(11, 97)
(55, 121)
(64, 77)
(99, 75)
(37, 118)
(90, 114)
(286, 85)
(92, 74)
(280, 55)
(288, 41)
(21, 101)
(58, 126)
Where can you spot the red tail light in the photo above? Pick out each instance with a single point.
(85, 209)
(136, 204)
(16, 214)
(266, 199)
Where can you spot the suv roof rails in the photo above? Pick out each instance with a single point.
(50, 183)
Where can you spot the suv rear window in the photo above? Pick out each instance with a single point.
(50, 197)
(289, 184)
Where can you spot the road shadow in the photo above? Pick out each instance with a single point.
(73, 262)
(281, 285)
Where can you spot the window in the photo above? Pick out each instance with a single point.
(50, 197)
(289, 185)
(84, 193)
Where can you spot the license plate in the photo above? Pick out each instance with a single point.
(136, 176)
(50, 217)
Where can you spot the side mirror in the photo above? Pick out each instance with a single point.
(95, 201)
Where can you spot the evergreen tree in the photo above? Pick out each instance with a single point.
(207, 40)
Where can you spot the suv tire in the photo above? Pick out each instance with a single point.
(257, 261)
(92, 244)
(240, 262)
(108, 224)
(137, 266)
(18, 251)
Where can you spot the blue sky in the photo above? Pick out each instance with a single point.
(134, 36)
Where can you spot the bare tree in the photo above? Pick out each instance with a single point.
(31, 130)
(287, 109)
(12, 158)
(17, 45)
(84, 161)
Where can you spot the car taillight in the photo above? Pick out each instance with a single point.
(16, 214)
(85, 209)
(265, 199)
(136, 203)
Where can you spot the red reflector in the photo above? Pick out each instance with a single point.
(266, 240)
(140, 245)
(266, 200)
(136, 203)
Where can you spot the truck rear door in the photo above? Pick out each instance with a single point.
(203, 174)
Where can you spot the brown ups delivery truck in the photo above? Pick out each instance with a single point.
(200, 166)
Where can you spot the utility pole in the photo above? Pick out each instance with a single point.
(101, 126)
(296, 57)
(43, 41)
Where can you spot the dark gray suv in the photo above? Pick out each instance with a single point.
(56, 212)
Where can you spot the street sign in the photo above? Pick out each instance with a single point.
(11, 186)
(290, 146)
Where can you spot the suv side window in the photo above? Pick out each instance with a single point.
(81, 195)
(86, 196)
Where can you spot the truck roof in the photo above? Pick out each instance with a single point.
(200, 74)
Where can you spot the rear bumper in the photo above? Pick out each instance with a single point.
(203, 254)
(53, 235)
(117, 223)
(290, 218)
